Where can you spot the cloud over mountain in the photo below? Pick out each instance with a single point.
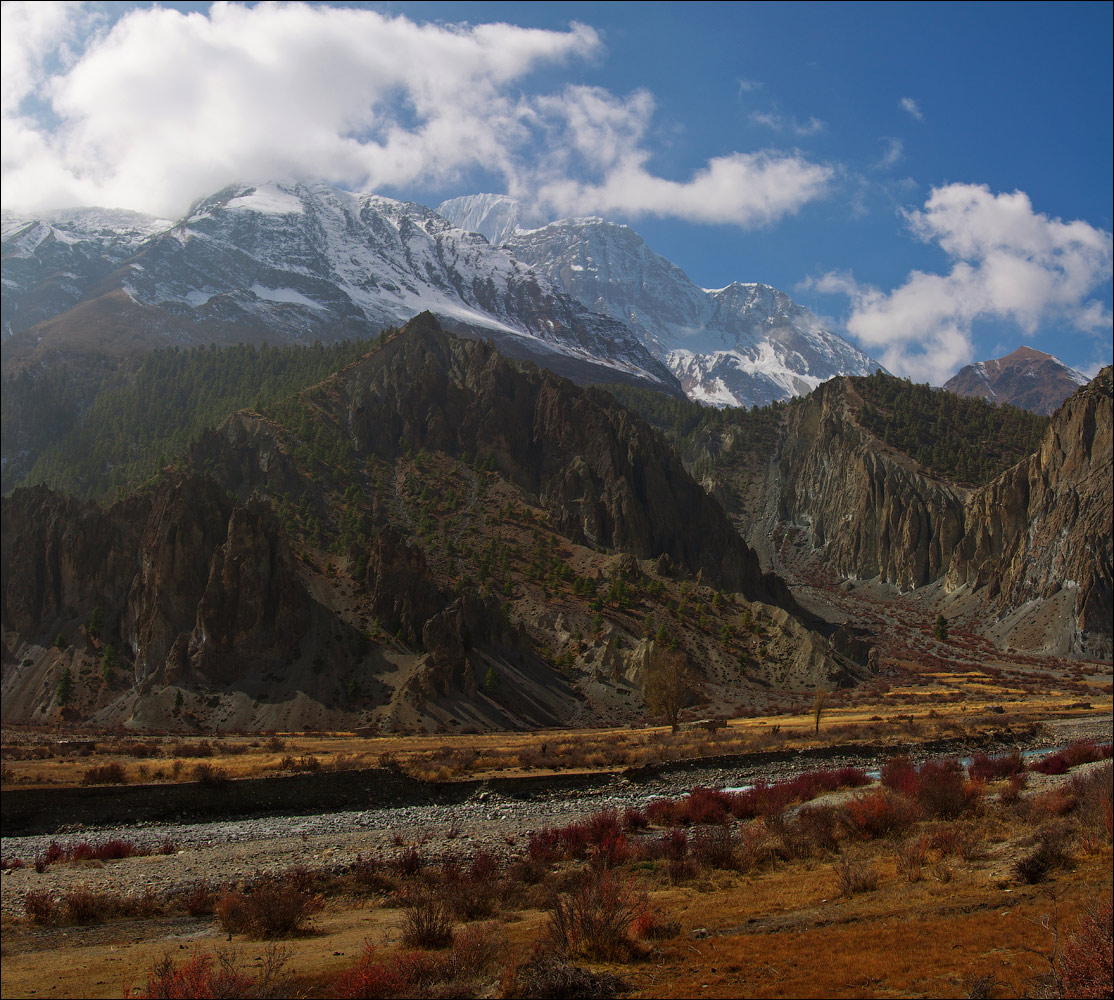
(1009, 263)
(160, 107)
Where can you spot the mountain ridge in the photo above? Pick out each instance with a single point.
(297, 262)
(742, 345)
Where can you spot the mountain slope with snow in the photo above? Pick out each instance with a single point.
(299, 262)
(1026, 378)
(744, 344)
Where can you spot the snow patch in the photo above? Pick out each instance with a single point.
(268, 200)
(285, 295)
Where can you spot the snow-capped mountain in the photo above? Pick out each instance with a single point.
(1026, 378)
(744, 344)
(49, 264)
(295, 262)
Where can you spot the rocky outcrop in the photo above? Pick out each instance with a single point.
(403, 592)
(1040, 529)
(869, 508)
(186, 578)
(605, 476)
(1044, 526)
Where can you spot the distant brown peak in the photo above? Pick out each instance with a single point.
(1027, 354)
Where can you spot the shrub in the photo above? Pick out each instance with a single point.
(205, 975)
(39, 907)
(209, 774)
(649, 926)
(1084, 968)
(1080, 752)
(198, 976)
(987, 768)
(675, 844)
(594, 920)
(1093, 794)
(105, 774)
(1012, 792)
(820, 825)
(635, 819)
(942, 791)
(419, 974)
(879, 814)
(82, 906)
(547, 975)
(542, 846)
(198, 900)
(270, 910)
(911, 858)
(715, 847)
(900, 775)
(1050, 852)
(855, 875)
(427, 922)
(410, 862)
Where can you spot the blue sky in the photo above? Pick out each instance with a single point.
(935, 178)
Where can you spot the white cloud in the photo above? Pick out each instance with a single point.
(910, 106)
(892, 154)
(601, 167)
(783, 123)
(162, 107)
(1009, 264)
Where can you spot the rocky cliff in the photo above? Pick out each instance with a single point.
(1037, 532)
(1044, 527)
(839, 490)
(185, 578)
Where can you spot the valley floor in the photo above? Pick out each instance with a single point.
(939, 909)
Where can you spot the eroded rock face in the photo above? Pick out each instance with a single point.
(1042, 527)
(872, 511)
(402, 588)
(605, 476)
(254, 609)
(1045, 525)
(186, 578)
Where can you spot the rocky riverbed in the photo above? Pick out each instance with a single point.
(230, 851)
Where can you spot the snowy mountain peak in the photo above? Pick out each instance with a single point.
(742, 344)
(282, 261)
(496, 217)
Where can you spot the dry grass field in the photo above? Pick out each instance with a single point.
(914, 707)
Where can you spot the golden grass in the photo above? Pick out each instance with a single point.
(881, 722)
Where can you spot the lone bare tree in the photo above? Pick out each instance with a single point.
(672, 684)
(819, 705)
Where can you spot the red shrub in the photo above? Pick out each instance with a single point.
(542, 846)
(198, 976)
(675, 844)
(603, 825)
(1080, 752)
(942, 791)
(113, 850)
(635, 819)
(706, 805)
(988, 768)
(611, 851)
(879, 814)
(1085, 966)
(900, 775)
